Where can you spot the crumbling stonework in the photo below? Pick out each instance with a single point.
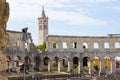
(4, 15)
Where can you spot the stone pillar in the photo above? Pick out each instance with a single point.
(69, 69)
(90, 45)
(41, 66)
(90, 66)
(113, 66)
(59, 66)
(69, 44)
(112, 45)
(101, 45)
(60, 46)
(79, 67)
(68, 66)
(49, 66)
(101, 66)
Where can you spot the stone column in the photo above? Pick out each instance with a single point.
(101, 65)
(69, 66)
(59, 66)
(101, 45)
(113, 66)
(41, 66)
(79, 67)
(49, 64)
(90, 66)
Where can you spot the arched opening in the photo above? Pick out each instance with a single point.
(96, 64)
(45, 63)
(117, 61)
(17, 63)
(86, 65)
(85, 61)
(27, 63)
(75, 62)
(17, 60)
(9, 64)
(55, 63)
(37, 63)
(107, 63)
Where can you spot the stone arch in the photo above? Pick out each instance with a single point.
(37, 62)
(96, 64)
(9, 63)
(86, 65)
(45, 63)
(55, 63)
(17, 61)
(27, 62)
(75, 62)
(27, 59)
(107, 62)
(117, 62)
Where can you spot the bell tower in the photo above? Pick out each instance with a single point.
(43, 27)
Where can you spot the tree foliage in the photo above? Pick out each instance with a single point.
(42, 47)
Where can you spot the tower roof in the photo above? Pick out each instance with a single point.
(43, 13)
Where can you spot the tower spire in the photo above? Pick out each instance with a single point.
(43, 13)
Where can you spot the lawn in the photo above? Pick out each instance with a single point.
(31, 73)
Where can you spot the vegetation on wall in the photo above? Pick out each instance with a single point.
(42, 47)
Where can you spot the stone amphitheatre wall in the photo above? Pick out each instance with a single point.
(90, 42)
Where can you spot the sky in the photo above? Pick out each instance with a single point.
(66, 17)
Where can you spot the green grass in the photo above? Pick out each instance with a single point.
(42, 73)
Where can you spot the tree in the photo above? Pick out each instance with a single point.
(42, 47)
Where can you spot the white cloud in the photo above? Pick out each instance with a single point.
(75, 18)
(32, 9)
(97, 1)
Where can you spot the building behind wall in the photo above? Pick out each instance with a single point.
(20, 47)
(43, 27)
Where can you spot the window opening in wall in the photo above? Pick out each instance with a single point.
(54, 45)
(117, 45)
(17, 42)
(85, 45)
(74, 44)
(64, 45)
(106, 45)
(96, 45)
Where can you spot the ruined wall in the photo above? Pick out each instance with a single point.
(89, 42)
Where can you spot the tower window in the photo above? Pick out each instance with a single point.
(40, 27)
